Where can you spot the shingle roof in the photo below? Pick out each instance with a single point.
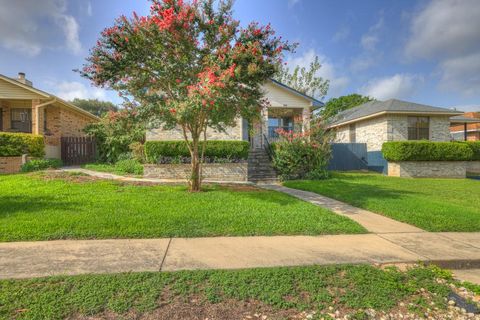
(373, 108)
(464, 119)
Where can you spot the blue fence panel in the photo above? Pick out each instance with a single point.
(348, 157)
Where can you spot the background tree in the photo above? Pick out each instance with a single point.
(188, 65)
(304, 79)
(335, 105)
(95, 106)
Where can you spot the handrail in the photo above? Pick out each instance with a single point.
(268, 147)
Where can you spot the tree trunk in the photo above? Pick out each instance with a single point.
(195, 179)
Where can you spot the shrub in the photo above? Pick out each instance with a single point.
(235, 150)
(475, 147)
(426, 151)
(41, 164)
(138, 151)
(129, 166)
(17, 144)
(302, 155)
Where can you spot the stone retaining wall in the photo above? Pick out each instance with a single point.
(10, 164)
(473, 167)
(428, 169)
(233, 172)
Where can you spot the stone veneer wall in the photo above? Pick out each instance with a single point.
(473, 167)
(10, 164)
(228, 172)
(232, 133)
(428, 169)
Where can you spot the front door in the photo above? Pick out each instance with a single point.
(256, 135)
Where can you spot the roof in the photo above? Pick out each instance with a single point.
(463, 119)
(393, 106)
(314, 102)
(47, 95)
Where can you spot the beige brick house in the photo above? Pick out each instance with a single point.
(26, 109)
(288, 109)
(376, 122)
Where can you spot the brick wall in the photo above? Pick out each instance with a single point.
(10, 164)
(229, 172)
(428, 169)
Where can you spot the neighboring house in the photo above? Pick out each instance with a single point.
(376, 122)
(288, 109)
(466, 126)
(26, 109)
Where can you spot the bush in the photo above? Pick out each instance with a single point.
(234, 150)
(17, 144)
(129, 166)
(426, 151)
(475, 147)
(138, 151)
(41, 164)
(303, 155)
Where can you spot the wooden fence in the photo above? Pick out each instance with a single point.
(78, 150)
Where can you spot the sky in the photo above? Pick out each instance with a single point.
(425, 51)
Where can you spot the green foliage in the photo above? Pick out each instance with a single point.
(348, 288)
(130, 166)
(475, 147)
(436, 205)
(17, 144)
(138, 151)
(426, 151)
(303, 155)
(304, 80)
(214, 148)
(335, 105)
(115, 133)
(119, 209)
(95, 106)
(41, 164)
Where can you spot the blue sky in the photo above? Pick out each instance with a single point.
(422, 51)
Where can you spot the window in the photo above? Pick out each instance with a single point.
(418, 128)
(21, 119)
(274, 123)
(353, 136)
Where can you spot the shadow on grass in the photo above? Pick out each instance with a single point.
(34, 204)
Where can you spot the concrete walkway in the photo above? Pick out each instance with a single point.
(45, 258)
(373, 222)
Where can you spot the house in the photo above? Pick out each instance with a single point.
(24, 108)
(466, 126)
(376, 122)
(288, 109)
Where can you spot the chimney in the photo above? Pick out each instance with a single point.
(21, 78)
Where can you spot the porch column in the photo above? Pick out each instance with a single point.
(37, 117)
(306, 116)
(264, 124)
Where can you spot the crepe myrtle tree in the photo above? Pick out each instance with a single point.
(187, 64)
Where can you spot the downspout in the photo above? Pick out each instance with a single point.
(36, 131)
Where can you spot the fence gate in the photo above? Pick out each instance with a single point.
(348, 156)
(78, 150)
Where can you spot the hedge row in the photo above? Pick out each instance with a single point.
(430, 151)
(214, 149)
(17, 144)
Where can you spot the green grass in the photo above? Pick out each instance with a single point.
(110, 168)
(39, 207)
(351, 288)
(430, 204)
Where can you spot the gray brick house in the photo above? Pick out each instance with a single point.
(376, 122)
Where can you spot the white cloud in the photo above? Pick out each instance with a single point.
(400, 86)
(370, 39)
(291, 3)
(89, 9)
(74, 89)
(29, 26)
(369, 56)
(341, 34)
(328, 71)
(447, 32)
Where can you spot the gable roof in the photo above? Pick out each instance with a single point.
(314, 102)
(376, 108)
(46, 95)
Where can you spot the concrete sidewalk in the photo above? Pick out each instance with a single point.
(46, 258)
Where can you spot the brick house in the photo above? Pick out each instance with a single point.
(24, 108)
(376, 122)
(288, 109)
(466, 126)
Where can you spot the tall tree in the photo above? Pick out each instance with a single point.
(95, 106)
(335, 105)
(187, 64)
(304, 80)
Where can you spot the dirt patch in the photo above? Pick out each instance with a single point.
(76, 177)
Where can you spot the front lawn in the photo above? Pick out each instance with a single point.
(43, 206)
(361, 292)
(430, 204)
